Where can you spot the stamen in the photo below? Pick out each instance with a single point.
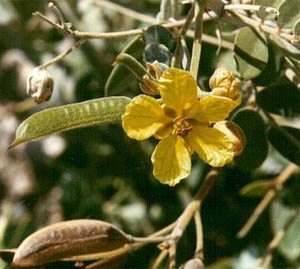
(182, 126)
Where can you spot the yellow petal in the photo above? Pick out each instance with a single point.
(143, 117)
(171, 160)
(213, 146)
(211, 109)
(178, 89)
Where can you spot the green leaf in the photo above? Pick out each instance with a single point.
(273, 69)
(250, 53)
(256, 149)
(290, 244)
(289, 13)
(63, 118)
(157, 52)
(269, 3)
(296, 30)
(287, 141)
(159, 35)
(285, 47)
(281, 99)
(120, 79)
(256, 188)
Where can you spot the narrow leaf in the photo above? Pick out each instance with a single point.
(63, 118)
(256, 188)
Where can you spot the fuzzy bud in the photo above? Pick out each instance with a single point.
(223, 83)
(40, 85)
(154, 72)
(234, 133)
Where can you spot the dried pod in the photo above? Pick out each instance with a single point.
(40, 85)
(223, 83)
(234, 133)
(193, 264)
(67, 239)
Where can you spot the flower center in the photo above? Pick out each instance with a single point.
(181, 126)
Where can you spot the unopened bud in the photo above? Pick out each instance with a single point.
(234, 133)
(40, 85)
(223, 83)
(193, 264)
(154, 72)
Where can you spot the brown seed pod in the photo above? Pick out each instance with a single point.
(67, 239)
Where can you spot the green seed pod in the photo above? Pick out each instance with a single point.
(67, 239)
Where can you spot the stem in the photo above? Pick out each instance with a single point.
(199, 233)
(175, 9)
(269, 196)
(197, 38)
(267, 258)
(62, 55)
(262, 27)
(163, 254)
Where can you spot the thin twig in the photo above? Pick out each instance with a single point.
(192, 207)
(62, 55)
(267, 258)
(269, 196)
(248, 7)
(122, 34)
(172, 257)
(160, 258)
(262, 27)
(199, 233)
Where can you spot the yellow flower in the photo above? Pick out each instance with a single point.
(183, 124)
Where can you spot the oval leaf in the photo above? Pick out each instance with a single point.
(296, 30)
(256, 149)
(281, 99)
(290, 244)
(157, 52)
(285, 47)
(63, 118)
(159, 35)
(289, 13)
(67, 239)
(287, 141)
(255, 189)
(250, 53)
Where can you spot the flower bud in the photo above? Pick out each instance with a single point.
(154, 72)
(40, 85)
(234, 133)
(223, 83)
